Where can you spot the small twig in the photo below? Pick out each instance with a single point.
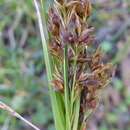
(15, 114)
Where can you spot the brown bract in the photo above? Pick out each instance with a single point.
(54, 22)
(58, 85)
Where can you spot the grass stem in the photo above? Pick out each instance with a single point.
(17, 115)
(66, 89)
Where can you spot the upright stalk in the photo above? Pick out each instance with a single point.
(66, 89)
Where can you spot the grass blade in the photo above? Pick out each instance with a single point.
(56, 111)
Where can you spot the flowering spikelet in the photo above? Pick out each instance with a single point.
(87, 74)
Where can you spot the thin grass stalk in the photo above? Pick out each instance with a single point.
(74, 81)
(76, 118)
(17, 115)
(54, 102)
(66, 91)
(75, 104)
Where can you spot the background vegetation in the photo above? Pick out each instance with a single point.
(22, 71)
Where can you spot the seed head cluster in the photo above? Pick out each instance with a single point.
(87, 74)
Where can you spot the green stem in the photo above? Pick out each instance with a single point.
(76, 114)
(66, 89)
(75, 102)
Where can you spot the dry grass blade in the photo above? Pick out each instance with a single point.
(15, 114)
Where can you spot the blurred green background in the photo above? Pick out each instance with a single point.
(23, 83)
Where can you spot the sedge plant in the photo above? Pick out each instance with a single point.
(76, 72)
